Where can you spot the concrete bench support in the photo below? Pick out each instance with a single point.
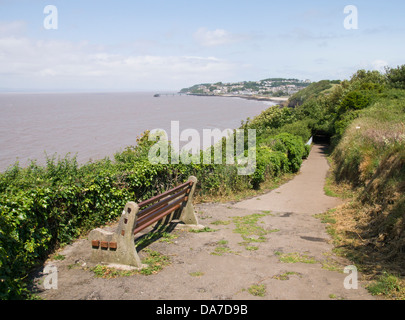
(117, 247)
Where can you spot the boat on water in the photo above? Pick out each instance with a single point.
(157, 95)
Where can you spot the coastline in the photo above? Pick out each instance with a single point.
(280, 100)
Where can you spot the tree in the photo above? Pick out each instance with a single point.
(354, 100)
(396, 77)
(363, 76)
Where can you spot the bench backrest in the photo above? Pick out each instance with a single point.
(158, 207)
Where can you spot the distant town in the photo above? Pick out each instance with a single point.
(272, 87)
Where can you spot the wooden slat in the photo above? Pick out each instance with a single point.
(167, 193)
(161, 203)
(157, 218)
(161, 206)
(150, 219)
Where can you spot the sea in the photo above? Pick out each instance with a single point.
(92, 126)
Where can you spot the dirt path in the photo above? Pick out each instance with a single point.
(304, 194)
(270, 247)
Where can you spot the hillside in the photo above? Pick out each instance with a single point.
(312, 91)
(274, 87)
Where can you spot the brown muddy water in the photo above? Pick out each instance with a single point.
(92, 126)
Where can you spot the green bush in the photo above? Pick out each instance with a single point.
(396, 77)
(301, 128)
(344, 121)
(312, 91)
(269, 163)
(355, 100)
(293, 147)
(274, 117)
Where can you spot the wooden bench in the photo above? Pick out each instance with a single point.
(119, 247)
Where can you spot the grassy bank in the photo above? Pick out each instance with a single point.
(371, 159)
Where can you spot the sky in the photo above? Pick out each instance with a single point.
(162, 45)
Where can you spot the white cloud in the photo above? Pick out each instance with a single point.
(303, 34)
(379, 65)
(12, 27)
(49, 65)
(217, 37)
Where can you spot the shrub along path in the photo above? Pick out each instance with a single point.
(268, 247)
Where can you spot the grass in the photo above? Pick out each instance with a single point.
(221, 222)
(294, 257)
(349, 244)
(286, 275)
(168, 237)
(363, 229)
(222, 248)
(332, 189)
(252, 248)
(251, 232)
(223, 242)
(274, 230)
(388, 285)
(257, 290)
(332, 265)
(106, 272)
(155, 261)
(58, 257)
(326, 217)
(196, 274)
(268, 212)
(206, 229)
(247, 227)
